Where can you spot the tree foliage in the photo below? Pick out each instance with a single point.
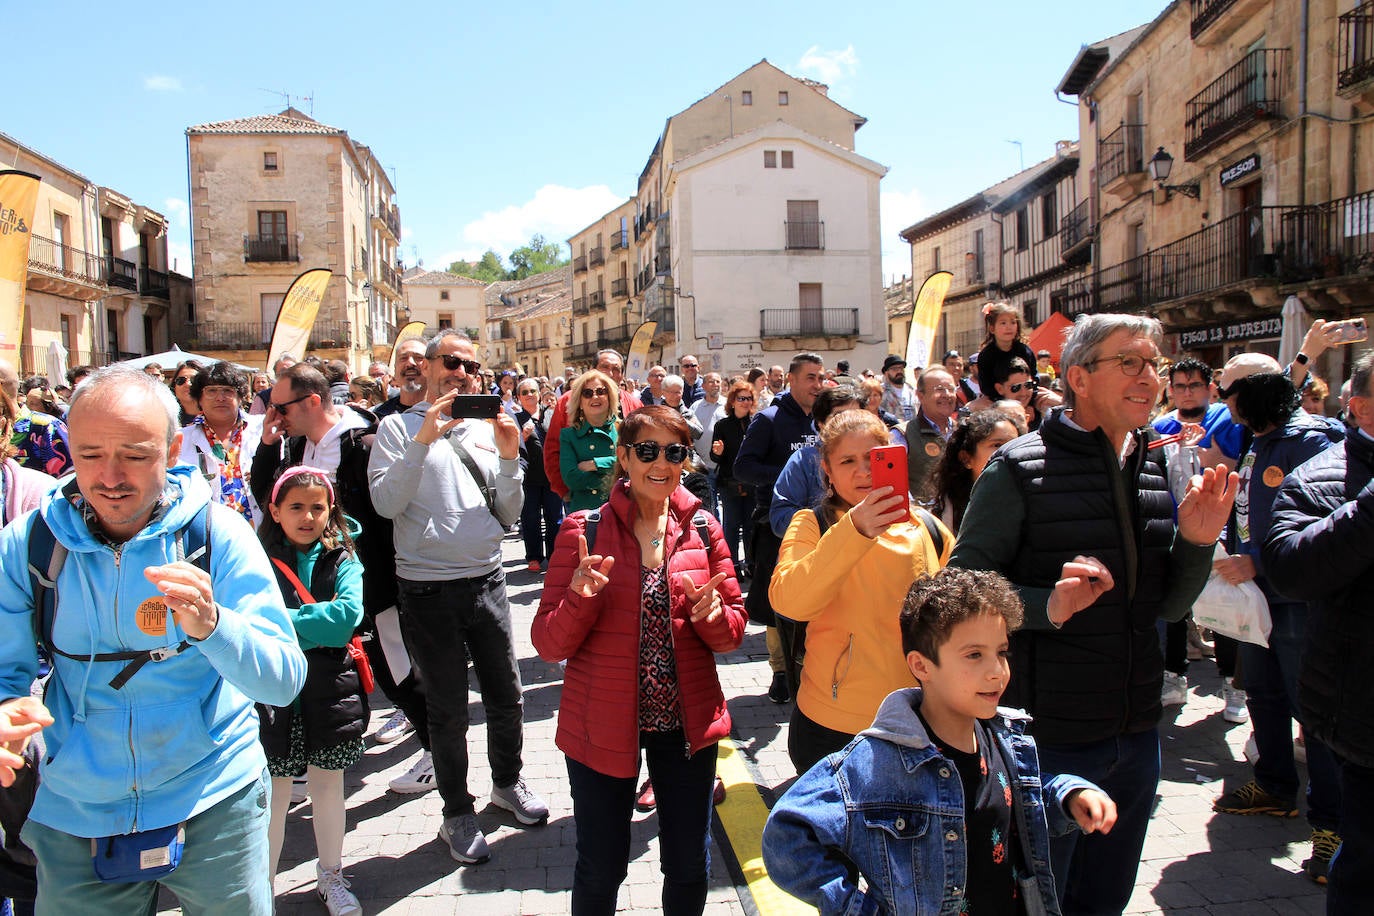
(537, 257)
(488, 269)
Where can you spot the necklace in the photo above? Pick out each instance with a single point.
(657, 539)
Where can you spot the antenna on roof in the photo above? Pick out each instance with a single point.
(285, 96)
(1020, 154)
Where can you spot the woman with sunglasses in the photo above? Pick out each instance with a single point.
(1023, 387)
(181, 387)
(639, 615)
(586, 452)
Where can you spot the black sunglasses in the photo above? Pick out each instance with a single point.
(183, 380)
(1032, 385)
(470, 366)
(281, 408)
(675, 453)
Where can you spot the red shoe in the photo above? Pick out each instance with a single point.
(718, 793)
(646, 801)
(533, 566)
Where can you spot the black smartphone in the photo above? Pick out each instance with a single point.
(475, 407)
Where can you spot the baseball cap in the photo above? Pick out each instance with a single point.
(1243, 365)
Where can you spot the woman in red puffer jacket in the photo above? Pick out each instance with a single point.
(639, 621)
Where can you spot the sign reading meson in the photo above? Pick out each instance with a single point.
(1233, 173)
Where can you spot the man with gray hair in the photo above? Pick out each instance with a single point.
(146, 578)
(1078, 515)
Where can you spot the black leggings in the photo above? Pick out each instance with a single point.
(809, 742)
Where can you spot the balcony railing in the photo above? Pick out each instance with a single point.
(664, 315)
(804, 234)
(617, 337)
(582, 351)
(50, 257)
(1075, 229)
(121, 273)
(596, 256)
(644, 279)
(254, 335)
(580, 307)
(1357, 46)
(391, 277)
(620, 239)
(1206, 12)
(270, 248)
(580, 264)
(798, 322)
(153, 283)
(596, 301)
(620, 288)
(1248, 92)
(532, 344)
(1121, 152)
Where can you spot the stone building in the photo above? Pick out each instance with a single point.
(98, 281)
(275, 195)
(516, 335)
(444, 300)
(603, 281)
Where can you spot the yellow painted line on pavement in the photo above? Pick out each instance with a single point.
(743, 814)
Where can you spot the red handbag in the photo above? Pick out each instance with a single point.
(354, 646)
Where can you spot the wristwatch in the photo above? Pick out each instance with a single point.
(1302, 359)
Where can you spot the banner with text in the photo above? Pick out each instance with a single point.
(637, 364)
(925, 320)
(297, 314)
(18, 199)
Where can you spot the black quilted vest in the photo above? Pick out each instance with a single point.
(1100, 675)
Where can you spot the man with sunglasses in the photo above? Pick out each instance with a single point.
(1078, 515)
(452, 487)
(609, 362)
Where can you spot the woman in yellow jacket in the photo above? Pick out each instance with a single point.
(848, 583)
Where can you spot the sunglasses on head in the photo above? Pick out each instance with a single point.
(451, 362)
(675, 453)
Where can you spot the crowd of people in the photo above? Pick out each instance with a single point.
(207, 570)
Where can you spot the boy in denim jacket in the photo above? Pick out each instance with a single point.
(938, 804)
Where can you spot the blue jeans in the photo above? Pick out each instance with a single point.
(223, 870)
(444, 624)
(1096, 873)
(1351, 877)
(603, 807)
(541, 503)
(736, 511)
(1271, 687)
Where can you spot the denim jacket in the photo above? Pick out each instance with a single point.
(890, 808)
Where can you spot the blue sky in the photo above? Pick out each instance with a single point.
(503, 120)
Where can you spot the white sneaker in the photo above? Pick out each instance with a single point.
(393, 729)
(1175, 691)
(332, 887)
(528, 808)
(300, 790)
(1236, 711)
(419, 778)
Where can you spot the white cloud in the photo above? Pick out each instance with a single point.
(829, 66)
(176, 210)
(899, 209)
(162, 83)
(554, 211)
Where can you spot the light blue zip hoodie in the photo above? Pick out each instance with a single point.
(182, 734)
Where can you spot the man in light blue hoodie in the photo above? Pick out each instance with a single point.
(148, 716)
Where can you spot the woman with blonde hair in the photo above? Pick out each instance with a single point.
(845, 567)
(586, 454)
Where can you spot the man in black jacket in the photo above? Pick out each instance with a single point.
(1320, 549)
(1079, 517)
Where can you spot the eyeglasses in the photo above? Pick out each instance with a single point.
(183, 380)
(529, 392)
(676, 453)
(1032, 385)
(744, 400)
(218, 391)
(451, 362)
(589, 393)
(687, 365)
(281, 408)
(1189, 386)
(1133, 365)
(950, 389)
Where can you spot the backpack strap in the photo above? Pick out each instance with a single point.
(932, 527)
(703, 529)
(589, 532)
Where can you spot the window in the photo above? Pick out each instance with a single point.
(936, 259)
(1022, 229)
(770, 159)
(787, 158)
(746, 97)
(269, 162)
(804, 224)
(272, 224)
(977, 256)
(443, 295)
(1049, 216)
(445, 321)
(269, 305)
(782, 97)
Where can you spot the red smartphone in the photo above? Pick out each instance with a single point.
(888, 463)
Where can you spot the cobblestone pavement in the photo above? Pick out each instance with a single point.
(1195, 861)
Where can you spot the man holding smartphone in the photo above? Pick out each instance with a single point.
(452, 487)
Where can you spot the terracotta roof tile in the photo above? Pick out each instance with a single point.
(289, 121)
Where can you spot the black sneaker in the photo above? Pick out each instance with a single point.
(1324, 846)
(1251, 799)
(778, 692)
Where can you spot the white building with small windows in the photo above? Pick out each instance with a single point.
(444, 300)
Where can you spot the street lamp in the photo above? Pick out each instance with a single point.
(1161, 165)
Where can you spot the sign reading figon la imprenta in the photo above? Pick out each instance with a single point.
(1255, 329)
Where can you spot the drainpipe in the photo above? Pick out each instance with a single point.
(1302, 104)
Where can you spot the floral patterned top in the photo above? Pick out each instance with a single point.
(40, 441)
(659, 709)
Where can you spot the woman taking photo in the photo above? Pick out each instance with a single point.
(848, 579)
(736, 498)
(639, 614)
(587, 444)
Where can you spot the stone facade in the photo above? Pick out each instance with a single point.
(528, 322)
(604, 275)
(444, 300)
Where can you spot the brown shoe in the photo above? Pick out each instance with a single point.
(718, 793)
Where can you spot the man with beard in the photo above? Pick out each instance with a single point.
(898, 397)
(410, 377)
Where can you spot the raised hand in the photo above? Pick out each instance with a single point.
(1207, 505)
(437, 420)
(706, 603)
(880, 508)
(592, 572)
(507, 434)
(187, 592)
(1082, 581)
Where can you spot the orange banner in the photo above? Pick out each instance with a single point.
(297, 314)
(18, 199)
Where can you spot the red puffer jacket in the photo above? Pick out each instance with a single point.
(598, 717)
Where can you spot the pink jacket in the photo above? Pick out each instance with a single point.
(24, 488)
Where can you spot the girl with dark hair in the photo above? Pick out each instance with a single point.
(969, 450)
(1004, 342)
(180, 384)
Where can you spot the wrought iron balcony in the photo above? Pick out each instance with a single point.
(270, 248)
(153, 283)
(1250, 91)
(580, 306)
(580, 264)
(619, 288)
(1075, 231)
(796, 322)
(596, 256)
(64, 262)
(804, 234)
(1206, 12)
(255, 335)
(617, 337)
(664, 315)
(532, 344)
(620, 239)
(596, 301)
(1357, 47)
(122, 273)
(579, 352)
(1121, 152)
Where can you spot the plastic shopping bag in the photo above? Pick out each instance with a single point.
(1238, 611)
